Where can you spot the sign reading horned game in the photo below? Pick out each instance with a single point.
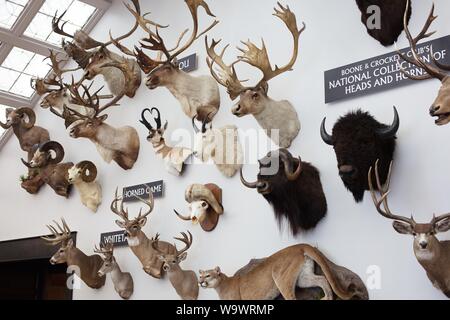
(143, 190)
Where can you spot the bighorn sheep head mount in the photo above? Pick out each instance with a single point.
(49, 167)
(432, 254)
(220, 145)
(174, 157)
(441, 106)
(282, 273)
(293, 188)
(82, 176)
(271, 115)
(123, 281)
(95, 58)
(359, 140)
(165, 72)
(390, 19)
(205, 205)
(88, 266)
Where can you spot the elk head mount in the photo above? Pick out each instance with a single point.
(82, 176)
(138, 242)
(88, 266)
(95, 58)
(222, 146)
(184, 282)
(391, 15)
(49, 169)
(174, 157)
(359, 140)
(285, 273)
(271, 115)
(441, 106)
(123, 281)
(199, 96)
(205, 205)
(293, 188)
(432, 254)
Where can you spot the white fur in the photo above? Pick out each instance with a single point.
(90, 193)
(133, 241)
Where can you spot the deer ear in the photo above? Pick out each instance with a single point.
(103, 117)
(120, 224)
(142, 222)
(166, 125)
(182, 257)
(443, 226)
(70, 243)
(217, 270)
(403, 228)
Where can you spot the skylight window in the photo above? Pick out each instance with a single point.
(10, 11)
(77, 15)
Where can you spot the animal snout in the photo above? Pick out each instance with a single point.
(52, 261)
(152, 82)
(237, 110)
(434, 110)
(347, 171)
(165, 267)
(423, 244)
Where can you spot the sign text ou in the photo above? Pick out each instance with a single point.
(117, 238)
(143, 191)
(188, 64)
(381, 73)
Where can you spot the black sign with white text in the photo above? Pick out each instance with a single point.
(381, 73)
(117, 238)
(188, 64)
(143, 190)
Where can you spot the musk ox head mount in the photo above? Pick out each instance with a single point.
(205, 205)
(293, 188)
(391, 18)
(359, 140)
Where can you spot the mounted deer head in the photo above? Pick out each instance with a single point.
(88, 266)
(205, 205)
(123, 282)
(432, 254)
(203, 103)
(441, 106)
(94, 57)
(270, 114)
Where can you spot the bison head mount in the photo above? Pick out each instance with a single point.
(359, 140)
(293, 188)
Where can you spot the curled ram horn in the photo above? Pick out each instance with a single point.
(88, 171)
(31, 117)
(55, 147)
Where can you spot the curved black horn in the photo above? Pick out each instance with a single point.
(196, 129)
(144, 121)
(391, 131)
(157, 118)
(27, 164)
(324, 134)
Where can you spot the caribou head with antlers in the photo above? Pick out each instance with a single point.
(271, 115)
(432, 254)
(441, 106)
(199, 96)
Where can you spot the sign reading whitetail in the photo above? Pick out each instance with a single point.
(383, 72)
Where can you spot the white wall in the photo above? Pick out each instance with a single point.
(352, 235)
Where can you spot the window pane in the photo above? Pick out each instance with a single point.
(37, 67)
(9, 11)
(22, 86)
(18, 59)
(7, 78)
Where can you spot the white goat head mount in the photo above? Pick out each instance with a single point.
(82, 176)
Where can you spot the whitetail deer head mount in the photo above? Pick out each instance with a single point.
(270, 114)
(441, 106)
(432, 254)
(164, 72)
(123, 281)
(205, 205)
(184, 282)
(95, 58)
(222, 146)
(82, 176)
(174, 157)
(88, 266)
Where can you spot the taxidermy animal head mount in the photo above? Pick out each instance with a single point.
(431, 253)
(221, 145)
(88, 266)
(293, 188)
(205, 205)
(165, 72)
(123, 282)
(441, 106)
(359, 140)
(383, 19)
(82, 176)
(282, 273)
(270, 114)
(95, 58)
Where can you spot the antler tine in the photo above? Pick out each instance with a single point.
(150, 203)
(58, 237)
(417, 60)
(384, 193)
(114, 207)
(55, 25)
(187, 240)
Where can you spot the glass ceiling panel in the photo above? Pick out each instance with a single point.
(78, 14)
(10, 11)
(19, 68)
